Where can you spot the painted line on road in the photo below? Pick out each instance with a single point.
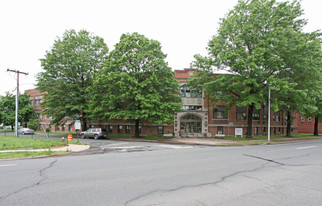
(309, 147)
(175, 147)
(115, 144)
(8, 165)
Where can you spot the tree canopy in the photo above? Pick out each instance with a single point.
(136, 84)
(260, 43)
(68, 71)
(8, 109)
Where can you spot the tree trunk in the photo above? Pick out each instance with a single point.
(289, 124)
(137, 130)
(84, 122)
(316, 127)
(250, 121)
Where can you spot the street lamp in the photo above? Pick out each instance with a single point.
(269, 115)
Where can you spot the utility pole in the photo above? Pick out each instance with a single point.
(17, 97)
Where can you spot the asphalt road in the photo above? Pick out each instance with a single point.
(125, 173)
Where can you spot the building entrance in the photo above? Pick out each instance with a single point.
(190, 124)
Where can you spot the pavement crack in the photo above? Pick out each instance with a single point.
(268, 160)
(222, 179)
(41, 173)
(282, 164)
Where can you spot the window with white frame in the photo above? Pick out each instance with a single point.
(160, 129)
(241, 113)
(256, 114)
(220, 113)
(277, 116)
(186, 91)
(302, 119)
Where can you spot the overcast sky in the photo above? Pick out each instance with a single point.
(183, 27)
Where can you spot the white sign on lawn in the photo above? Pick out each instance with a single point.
(239, 131)
(77, 124)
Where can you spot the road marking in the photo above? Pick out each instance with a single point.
(117, 144)
(306, 147)
(127, 147)
(8, 165)
(175, 147)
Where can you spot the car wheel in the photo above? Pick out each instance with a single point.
(95, 136)
(83, 136)
(23, 133)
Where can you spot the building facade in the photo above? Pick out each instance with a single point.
(200, 119)
(307, 125)
(36, 98)
(197, 118)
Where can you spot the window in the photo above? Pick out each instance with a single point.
(302, 119)
(264, 130)
(110, 129)
(256, 130)
(189, 107)
(63, 128)
(276, 116)
(241, 113)
(309, 119)
(265, 112)
(119, 129)
(37, 101)
(185, 91)
(219, 112)
(256, 114)
(160, 129)
(220, 130)
(69, 127)
(127, 129)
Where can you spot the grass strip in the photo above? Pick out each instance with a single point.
(14, 155)
(27, 143)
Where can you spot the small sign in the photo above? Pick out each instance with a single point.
(239, 131)
(77, 124)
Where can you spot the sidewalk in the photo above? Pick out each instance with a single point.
(219, 142)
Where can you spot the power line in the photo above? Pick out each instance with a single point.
(17, 96)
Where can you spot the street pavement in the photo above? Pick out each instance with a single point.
(147, 173)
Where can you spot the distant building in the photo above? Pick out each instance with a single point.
(36, 98)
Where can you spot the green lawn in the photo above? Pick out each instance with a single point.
(12, 143)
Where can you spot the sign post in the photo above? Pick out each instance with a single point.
(238, 131)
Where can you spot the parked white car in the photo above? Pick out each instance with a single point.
(26, 131)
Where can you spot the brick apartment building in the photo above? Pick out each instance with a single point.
(35, 99)
(307, 125)
(197, 118)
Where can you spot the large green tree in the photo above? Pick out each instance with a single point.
(68, 71)
(8, 109)
(136, 84)
(250, 45)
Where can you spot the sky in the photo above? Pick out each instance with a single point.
(183, 27)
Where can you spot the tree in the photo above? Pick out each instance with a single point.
(250, 46)
(68, 71)
(136, 84)
(8, 109)
(33, 124)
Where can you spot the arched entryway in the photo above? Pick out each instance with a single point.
(190, 124)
